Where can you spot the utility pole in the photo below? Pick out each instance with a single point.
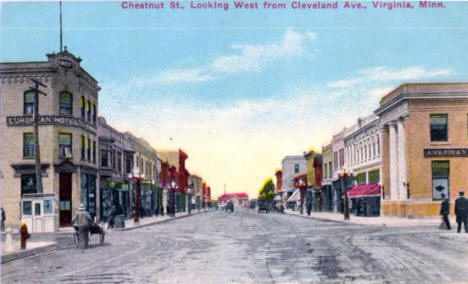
(37, 153)
(224, 188)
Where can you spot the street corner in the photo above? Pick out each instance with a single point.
(33, 248)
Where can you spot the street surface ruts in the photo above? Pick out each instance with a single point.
(244, 246)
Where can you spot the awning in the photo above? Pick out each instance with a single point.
(296, 196)
(277, 198)
(365, 190)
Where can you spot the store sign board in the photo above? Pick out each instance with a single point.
(21, 121)
(66, 63)
(446, 152)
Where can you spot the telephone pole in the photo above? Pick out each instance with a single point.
(37, 153)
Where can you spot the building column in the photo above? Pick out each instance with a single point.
(393, 149)
(402, 160)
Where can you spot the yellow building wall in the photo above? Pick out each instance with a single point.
(419, 168)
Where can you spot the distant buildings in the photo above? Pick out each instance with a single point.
(399, 160)
(237, 199)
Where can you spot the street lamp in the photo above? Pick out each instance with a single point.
(173, 187)
(189, 197)
(137, 177)
(302, 188)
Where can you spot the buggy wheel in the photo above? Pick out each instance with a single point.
(101, 238)
(76, 238)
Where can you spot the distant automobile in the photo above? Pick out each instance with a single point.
(263, 207)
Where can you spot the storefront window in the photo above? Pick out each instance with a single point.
(28, 184)
(361, 178)
(28, 107)
(440, 179)
(65, 145)
(374, 176)
(66, 103)
(439, 127)
(88, 192)
(27, 207)
(48, 207)
(28, 145)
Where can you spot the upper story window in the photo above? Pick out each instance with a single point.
(330, 174)
(66, 103)
(439, 127)
(119, 161)
(128, 165)
(28, 183)
(89, 150)
(28, 145)
(94, 113)
(83, 147)
(104, 158)
(88, 109)
(28, 107)
(82, 106)
(65, 145)
(94, 152)
(296, 168)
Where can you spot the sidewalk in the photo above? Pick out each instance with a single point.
(147, 221)
(375, 221)
(12, 251)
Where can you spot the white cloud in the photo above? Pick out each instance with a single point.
(382, 74)
(184, 76)
(378, 93)
(254, 57)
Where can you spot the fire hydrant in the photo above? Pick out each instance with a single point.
(24, 235)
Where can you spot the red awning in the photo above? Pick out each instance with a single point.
(365, 190)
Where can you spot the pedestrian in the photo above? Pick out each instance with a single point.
(83, 221)
(309, 208)
(3, 220)
(445, 211)
(461, 211)
(113, 212)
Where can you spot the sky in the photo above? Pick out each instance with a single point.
(239, 90)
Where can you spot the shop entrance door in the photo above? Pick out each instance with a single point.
(65, 199)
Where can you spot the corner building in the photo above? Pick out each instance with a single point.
(67, 138)
(424, 147)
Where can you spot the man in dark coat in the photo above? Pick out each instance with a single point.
(83, 222)
(461, 211)
(445, 211)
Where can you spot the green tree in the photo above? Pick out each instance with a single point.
(267, 191)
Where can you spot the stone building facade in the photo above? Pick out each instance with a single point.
(424, 146)
(67, 135)
(291, 166)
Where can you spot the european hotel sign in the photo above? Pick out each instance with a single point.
(66, 63)
(20, 121)
(446, 152)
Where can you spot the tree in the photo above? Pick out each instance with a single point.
(267, 191)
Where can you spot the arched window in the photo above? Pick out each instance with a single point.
(66, 103)
(82, 106)
(28, 106)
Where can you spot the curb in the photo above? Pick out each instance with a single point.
(155, 222)
(454, 237)
(328, 220)
(26, 253)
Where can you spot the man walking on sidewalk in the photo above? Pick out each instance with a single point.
(445, 211)
(461, 211)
